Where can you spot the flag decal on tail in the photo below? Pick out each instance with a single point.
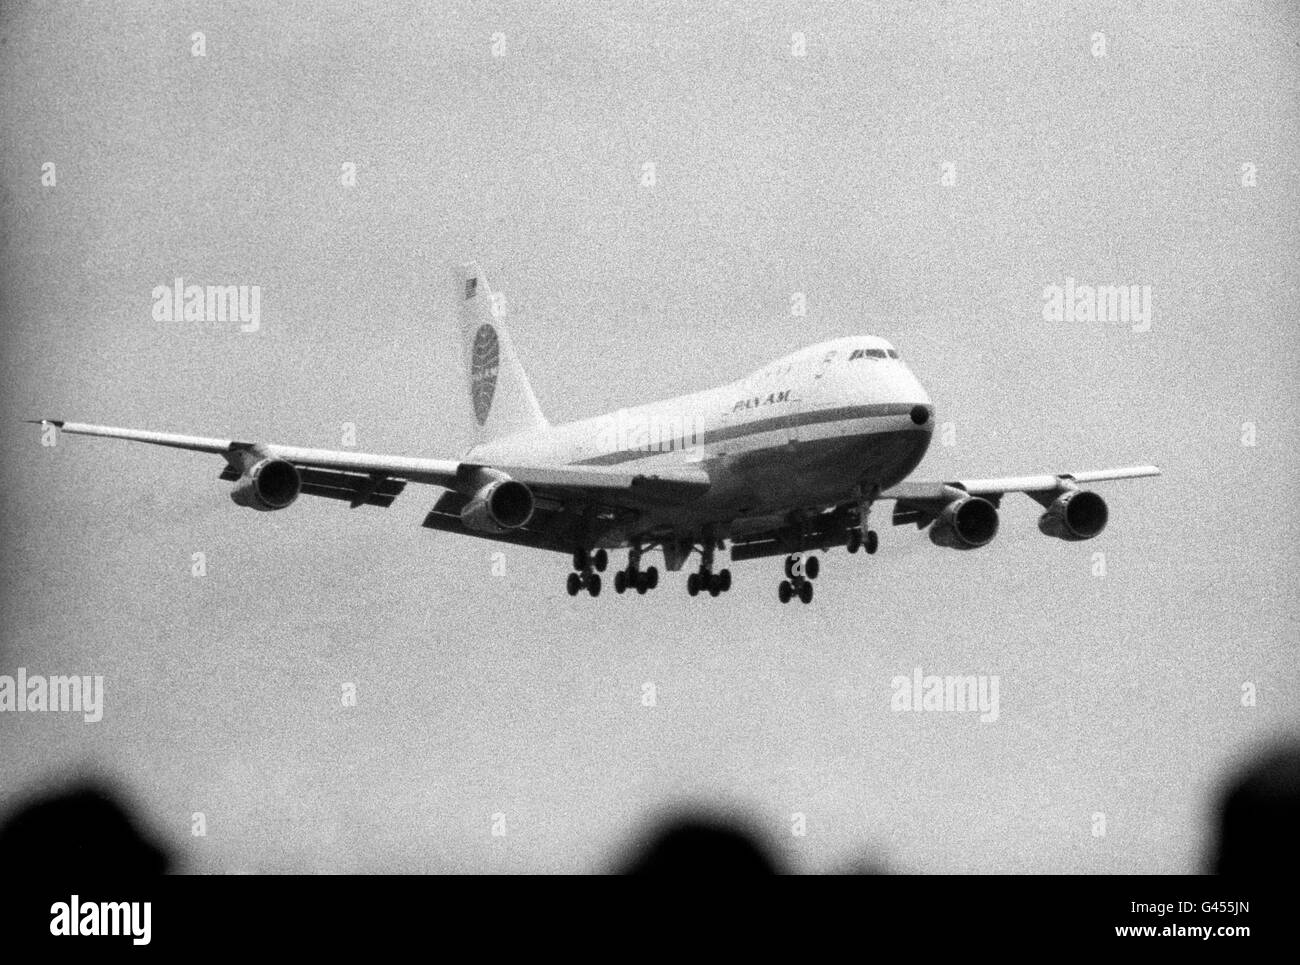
(483, 369)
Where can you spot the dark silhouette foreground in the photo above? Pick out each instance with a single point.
(80, 830)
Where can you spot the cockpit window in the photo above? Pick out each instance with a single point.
(867, 353)
(893, 354)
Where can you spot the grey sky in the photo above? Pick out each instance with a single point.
(775, 174)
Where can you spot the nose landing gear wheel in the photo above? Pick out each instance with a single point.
(593, 584)
(620, 581)
(854, 540)
(806, 592)
(785, 591)
(693, 584)
(652, 577)
(725, 580)
(811, 567)
(873, 542)
(600, 560)
(573, 584)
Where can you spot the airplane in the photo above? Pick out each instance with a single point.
(786, 461)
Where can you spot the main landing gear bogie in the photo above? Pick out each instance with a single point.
(636, 579)
(587, 566)
(708, 582)
(577, 582)
(705, 580)
(799, 574)
(856, 542)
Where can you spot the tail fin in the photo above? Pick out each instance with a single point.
(503, 400)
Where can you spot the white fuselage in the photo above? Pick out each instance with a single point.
(816, 427)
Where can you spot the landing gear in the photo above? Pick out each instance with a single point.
(799, 574)
(577, 582)
(632, 577)
(705, 580)
(587, 564)
(860, 534)
(639, 580)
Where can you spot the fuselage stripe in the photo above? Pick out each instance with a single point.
(771, 424)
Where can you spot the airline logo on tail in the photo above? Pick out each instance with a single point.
(484, 362)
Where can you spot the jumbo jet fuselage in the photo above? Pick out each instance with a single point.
(830, 422)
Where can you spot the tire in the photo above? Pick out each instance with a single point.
(790, 561)
(579, 559)
(806, 592)
(811, 567)
(873, 541)
(593, 584)
(601, 560)
(854, 540)
(693, 584)
(784, 591)
(725, 576)
(620, 581)
(642, 584)
(574, 584)
(652, 577)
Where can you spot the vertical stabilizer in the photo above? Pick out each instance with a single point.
(500, 395)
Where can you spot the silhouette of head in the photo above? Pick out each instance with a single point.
(702, 846)
(79, 830)
(1259, 816)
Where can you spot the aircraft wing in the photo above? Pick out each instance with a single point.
(371, 479)
(920, 491)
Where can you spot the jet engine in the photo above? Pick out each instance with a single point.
(1075, 515)
(269, 484)
(499, 506)
(965, 524)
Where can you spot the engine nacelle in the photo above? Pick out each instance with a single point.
(500, 505)
(1075, 515)
(965, 524)
(269, 484)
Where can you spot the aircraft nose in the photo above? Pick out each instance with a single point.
(911, 390)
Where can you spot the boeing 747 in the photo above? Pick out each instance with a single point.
(787, 461)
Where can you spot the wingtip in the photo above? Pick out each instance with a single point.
(57, 423)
